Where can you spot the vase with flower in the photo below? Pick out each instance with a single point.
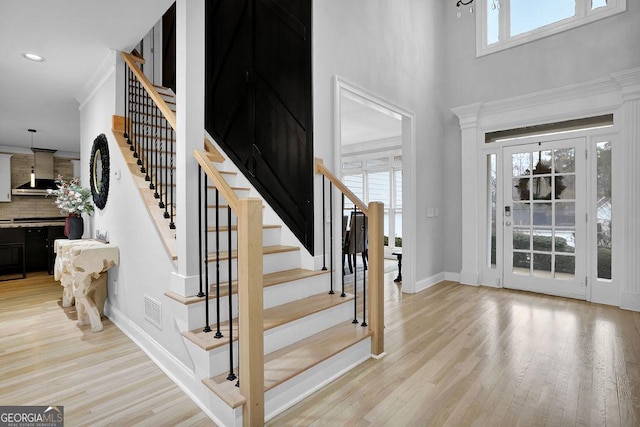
(73, 200)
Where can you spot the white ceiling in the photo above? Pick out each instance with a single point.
(74, 36)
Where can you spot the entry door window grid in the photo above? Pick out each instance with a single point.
(378, 179)
(600, 208)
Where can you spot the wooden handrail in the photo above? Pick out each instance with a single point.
(212, 173)
(321, 168)
(167, 112)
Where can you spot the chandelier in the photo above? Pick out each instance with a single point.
(495, 4)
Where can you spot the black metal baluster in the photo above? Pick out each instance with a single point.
(125, 134)
(232, 375)
(148, 134)
(136, 128)
(200, 258)
(172, 225)
(154, 151)
(207, 328)
(354, 235)
(324, 229)
(163, 187)
(364, 272)
(139, 136)
(218, 333)
(331, 255)
(343, 294)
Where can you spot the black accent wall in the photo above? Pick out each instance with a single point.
(258, 100)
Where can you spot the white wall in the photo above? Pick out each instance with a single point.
(393, 50)
(579, 55)
(145, 267)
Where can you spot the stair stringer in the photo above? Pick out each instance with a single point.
(307, 261)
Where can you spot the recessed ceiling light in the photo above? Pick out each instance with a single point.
(33, 57)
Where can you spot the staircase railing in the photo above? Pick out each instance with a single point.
(248, 212)
(149, 127)
(368, 235)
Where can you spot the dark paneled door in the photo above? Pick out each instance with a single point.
(258, 102)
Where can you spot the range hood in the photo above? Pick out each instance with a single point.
(43, 159)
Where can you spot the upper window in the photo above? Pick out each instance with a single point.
(506, 23)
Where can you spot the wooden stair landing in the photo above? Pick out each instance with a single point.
(273, 317)
(286, 363)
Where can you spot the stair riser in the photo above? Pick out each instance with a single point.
(270, 236)
(273, 296)
(287, 394)
(295, 290)
(271, 264)
(282, 336)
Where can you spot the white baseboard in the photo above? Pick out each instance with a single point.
(453, 277)
(630, 301)
(172, 367)
(428, 282)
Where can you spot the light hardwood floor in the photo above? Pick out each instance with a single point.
(456, 355)
(460, 355)
(100, 378)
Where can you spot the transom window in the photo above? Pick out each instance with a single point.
(506, 23)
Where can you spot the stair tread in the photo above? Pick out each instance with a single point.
(266, 250)
(288, 362)
(268, 279)
(225, 228)
(273, 317)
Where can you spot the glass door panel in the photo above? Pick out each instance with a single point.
(544, 242)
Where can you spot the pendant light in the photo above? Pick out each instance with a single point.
(33, 174)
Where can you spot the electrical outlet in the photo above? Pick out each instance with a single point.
(115, 287)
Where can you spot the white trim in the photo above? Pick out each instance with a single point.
(428, 282)
(630, 301)
(409, 223)
(177, 371)
(507, 41)
(453, 277)
(617, 94)
(103, 72)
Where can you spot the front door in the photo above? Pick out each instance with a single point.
(545, 217)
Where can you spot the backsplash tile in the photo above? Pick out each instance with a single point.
(32, 206)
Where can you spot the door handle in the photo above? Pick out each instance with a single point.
(508, 223)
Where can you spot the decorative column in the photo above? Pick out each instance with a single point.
(468, 116)
(189, 136)
(630, 131)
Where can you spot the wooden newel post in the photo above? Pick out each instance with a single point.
(250, 306)
(376, 276)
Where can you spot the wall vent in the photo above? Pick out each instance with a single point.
(153, 311)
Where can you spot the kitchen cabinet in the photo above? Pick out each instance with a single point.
(35, 248)
(11, 252)
(5, 177)
(53, 233)
(28, 248)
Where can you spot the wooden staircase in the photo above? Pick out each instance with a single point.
(308, 335)
(306, 329)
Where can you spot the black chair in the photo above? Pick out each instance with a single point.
(357, 241)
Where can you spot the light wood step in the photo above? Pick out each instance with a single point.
(273, 317)
(224, 228)
(286, 363)
(267, 250)
(269, 279)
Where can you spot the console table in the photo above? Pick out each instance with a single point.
(81, 267)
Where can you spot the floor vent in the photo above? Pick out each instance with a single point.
(153, 311)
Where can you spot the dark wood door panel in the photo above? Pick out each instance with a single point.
(258, 102)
